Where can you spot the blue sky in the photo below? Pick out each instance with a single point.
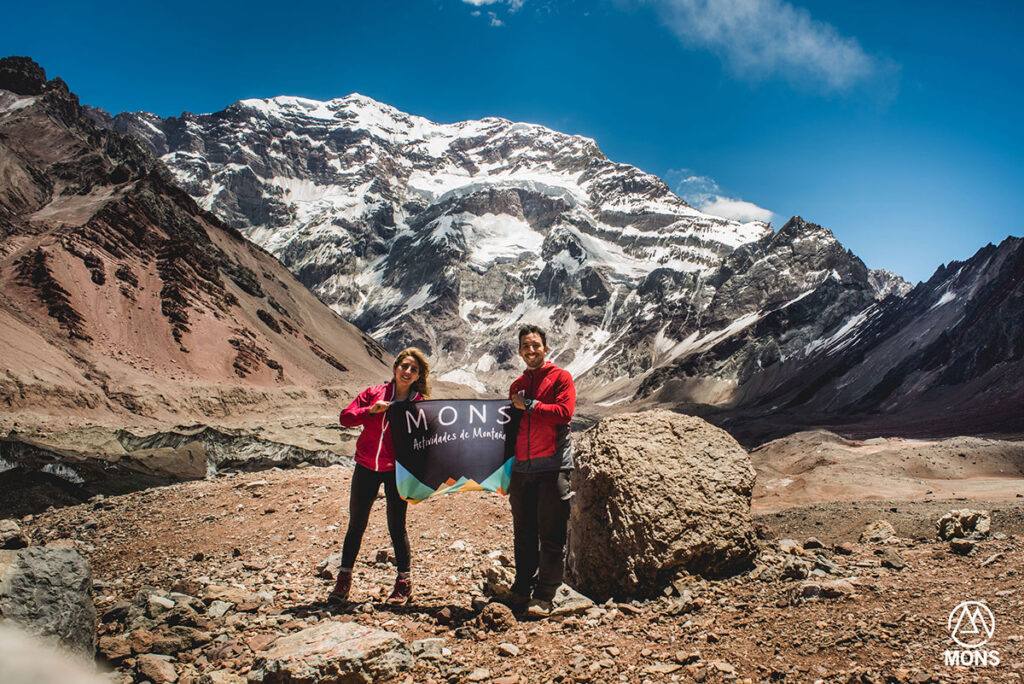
(895, 124)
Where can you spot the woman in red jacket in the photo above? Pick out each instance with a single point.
(375, 465)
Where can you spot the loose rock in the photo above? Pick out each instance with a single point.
(333, 652)
(328, 566)
(796, 568)
(961, 546)
(764, 531)
(568, 601)
(429, 649)
(877, 532)
(891, 559)
(156, 669)
(497, 617)
(791, 547)
(11, 536)
(963, 523)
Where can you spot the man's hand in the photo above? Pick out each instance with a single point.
(519, 400)
(380, 407)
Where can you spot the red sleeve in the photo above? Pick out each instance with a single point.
(358, 412)
(515, 386)
(559, 412)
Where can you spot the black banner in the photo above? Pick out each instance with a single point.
(446, 446)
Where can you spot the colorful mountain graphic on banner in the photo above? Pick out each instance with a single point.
(414, 491)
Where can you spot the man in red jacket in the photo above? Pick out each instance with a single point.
(539, 489)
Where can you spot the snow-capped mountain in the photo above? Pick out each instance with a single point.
(448, 236)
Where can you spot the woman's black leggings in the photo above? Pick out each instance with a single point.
(365, 485)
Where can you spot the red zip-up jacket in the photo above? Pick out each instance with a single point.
(373, 448)
(543, 442)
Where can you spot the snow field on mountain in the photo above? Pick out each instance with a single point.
(463, 377)
(946, 298)
(589, 349)
(492, 237)
(10, 102)
(844, 336)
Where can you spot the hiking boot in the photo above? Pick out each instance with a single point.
(341, 588)
(516, 601)
(539, 608)
(402, 593)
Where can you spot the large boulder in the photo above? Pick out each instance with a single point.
(657, 494)
(47, 592)
(333, 653)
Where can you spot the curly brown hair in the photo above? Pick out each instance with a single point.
(422, 384)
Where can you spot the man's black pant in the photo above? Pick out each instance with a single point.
(365, 485)
(540, 513)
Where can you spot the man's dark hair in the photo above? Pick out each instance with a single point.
(531, 329)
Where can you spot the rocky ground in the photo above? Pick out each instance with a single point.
(844, 521)
(246, 548)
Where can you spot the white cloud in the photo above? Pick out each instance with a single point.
(760, 38)
(736, 209)
(513, 5)
(704, 194)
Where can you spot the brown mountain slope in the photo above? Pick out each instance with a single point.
(123, 303)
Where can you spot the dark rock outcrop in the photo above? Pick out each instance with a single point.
(22, 76)
(47, 592)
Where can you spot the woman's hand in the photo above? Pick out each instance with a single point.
(380, 407)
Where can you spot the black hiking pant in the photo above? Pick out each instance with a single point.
(540, 514)
(365, 485)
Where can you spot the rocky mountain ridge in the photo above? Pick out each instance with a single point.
(946, 358)
(126, 305)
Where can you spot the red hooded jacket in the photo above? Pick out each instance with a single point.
(373, 448)
(543, 441)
